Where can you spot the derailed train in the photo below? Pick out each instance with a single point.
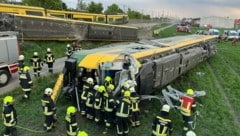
(151, 64)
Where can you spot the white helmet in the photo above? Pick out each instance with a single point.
(35, 54)
(48, 50)
(68, 45)
(166, 108)
(21, 57)
(96, 87)
(48, 91)
(132, 89)
(191, 133)
(90, 80)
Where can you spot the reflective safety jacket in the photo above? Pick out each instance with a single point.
(98, 100)
(162, 125)
(108, 102)
(90, 97)
(9, 116)
(84, 94)
(71, 124)
(49, 58)
(36, 62)
(48, 105)
(187, 105)
(123, 107)
(20, 66)
(25, 81)
(135, 101)
(69, 51)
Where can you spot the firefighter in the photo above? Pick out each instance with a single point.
(49, 60)
(82, 133)
(98, 102)
(109, 104)
(49, 110)
(90, 101)
(191, 133)
(37, 64)
(9, 116)
(135, 111)
(69, 50)
(88, 85)
(107, 81)
(25, 82)
(122, 114)
(162, 125)
(187, 107)
(20, 63)
(71, 121)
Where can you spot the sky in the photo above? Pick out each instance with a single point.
(174, 8)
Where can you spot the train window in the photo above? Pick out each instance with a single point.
(110, 20)
(69, 16)
(101, 19)
(35, 13)
(57, 15)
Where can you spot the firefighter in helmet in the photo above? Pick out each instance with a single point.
(135, 110)
(162, 125)
(49, 60)
(90, 101)
(36, 64)
(69, 50)
(9, 116)
(87, 86)
(25, 82)
(109, 104)
(71, 121)
(122, 113)
(98, 102)
(21, 64)
(187, 108)
(49, 109)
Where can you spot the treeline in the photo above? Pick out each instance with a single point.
(91, 7)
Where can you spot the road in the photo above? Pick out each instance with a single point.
(14, 82)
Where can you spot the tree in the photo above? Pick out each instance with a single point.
(95, 7)
(48, 4)
(113, 9)
(82, 6)
(137, 15)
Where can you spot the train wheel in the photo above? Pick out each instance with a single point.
(4, 77)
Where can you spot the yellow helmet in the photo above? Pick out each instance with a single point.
(190, 92)
(110, 87)
(26, 68)
(71, 110)
(108, 79)
(82, 133)
(8, 100)
(101, 89)
(127, 93)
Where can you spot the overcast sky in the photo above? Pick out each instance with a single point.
(180, 8)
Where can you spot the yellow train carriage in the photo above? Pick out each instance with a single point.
(22, 10)
(150, 64)
(90, 17)
(117, 19)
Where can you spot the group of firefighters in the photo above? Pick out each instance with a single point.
(97, 103)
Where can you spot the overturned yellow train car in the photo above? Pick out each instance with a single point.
(151, 64)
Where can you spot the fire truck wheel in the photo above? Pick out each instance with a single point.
(4, 77)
